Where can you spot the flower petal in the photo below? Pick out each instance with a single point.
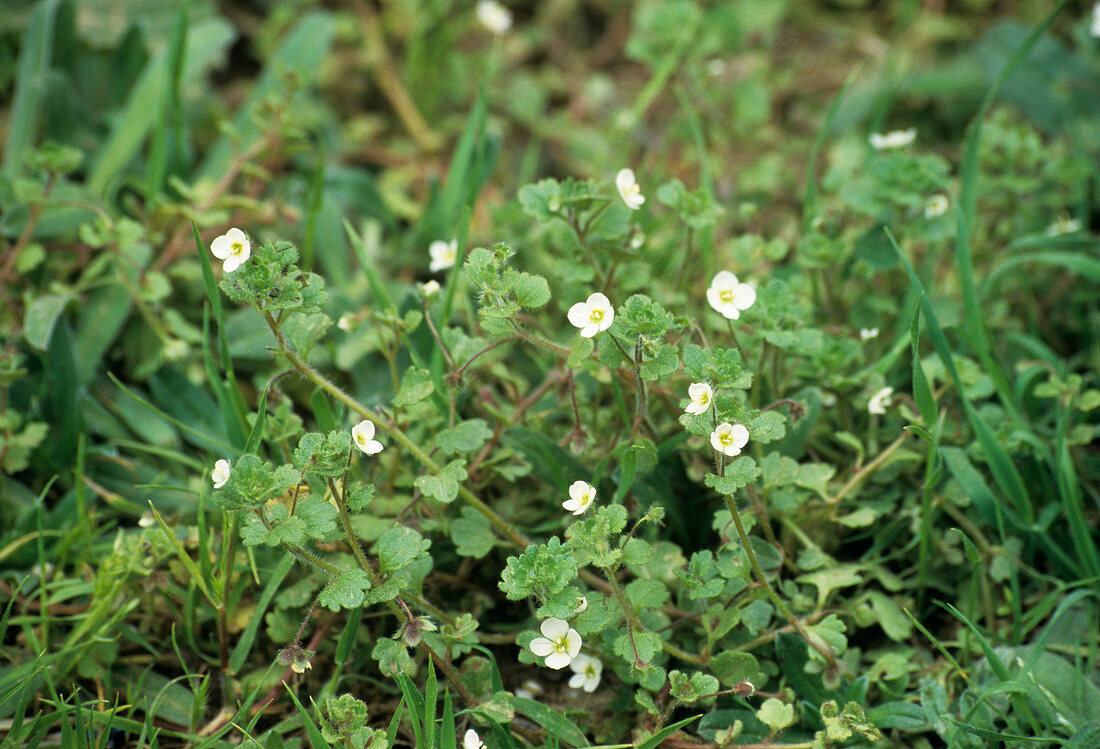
(541, 646)
(579, 315)
(744, 296)
(723, 279)
(557, 660)
(573, 643)
(554, 628)
(599, 301)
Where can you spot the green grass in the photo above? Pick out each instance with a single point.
(870, 589)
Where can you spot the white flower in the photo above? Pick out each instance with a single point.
(363, 435)
(629, 189)
(581, 495)
(896, 139)
(880, 400)
(866, 334)
(586, 673)
(1094, 29)
(529, 689)
(937, 205)
(429, 289)
(344, 323)
(232, 248)
(443, 254)
(582, 605)
(592, 315)
(220, 474)
(1064, 225)
(147, 520)
(560, 645)
(701, 395)
(729, 438)
(472, 741)
(494, 16)
(728, 296)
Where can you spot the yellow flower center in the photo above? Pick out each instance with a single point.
(236, 248)
(726, 438)
(560, 644)
(595, 315)
(631, 189)
(360, 439)
(703, 399)
(726, 295)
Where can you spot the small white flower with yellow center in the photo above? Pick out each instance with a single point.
(937, 205)
(728, 296)
(581, 606)
(880, 400)
(1063, 225)
(701, 395)
(472, 741)
(220, 474)
(586, 673)
(443, 254)
(232, 248)
(529, 689)
(429, 289)
(560, 643)
(592, 315)
(581, 494)
(363, 436)
(728, 439)
(494, 16)
(866, 334)
(629, 189)
(895, 139)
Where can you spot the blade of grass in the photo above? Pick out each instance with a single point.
(316, 740)
(1005, 473)
(184, 557)
(248, 636)
(206, 43)
(168, 131)
(30, 84)
(414, 705)
(1065, 472)
(431, 692)
(964, 215)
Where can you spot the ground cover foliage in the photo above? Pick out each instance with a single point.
(352, 392)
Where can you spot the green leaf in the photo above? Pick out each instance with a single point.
(890, 617)
(464, 437)
(345, 591)
(775, 714)
(739, 474)
(663, 364)
(41, 316)
(398, 547)
(444, 486)
(646, 593)
(579, 350)
(556, 724)
(531, 291)
(472, 535)
(416, 385)
(732, 668)
(542, 569)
